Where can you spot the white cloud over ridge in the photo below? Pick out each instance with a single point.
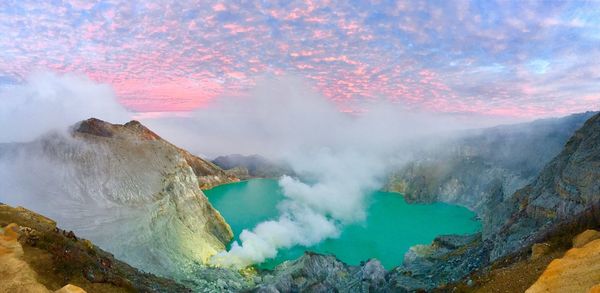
(49, 101)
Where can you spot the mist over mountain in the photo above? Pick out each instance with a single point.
(484, 165)
(123, 187)
(48, 101)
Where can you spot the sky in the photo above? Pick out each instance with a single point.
(521, 59)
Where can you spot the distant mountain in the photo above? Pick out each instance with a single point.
(123, 187)
(252, 166)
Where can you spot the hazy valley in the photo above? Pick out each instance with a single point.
(138, 197)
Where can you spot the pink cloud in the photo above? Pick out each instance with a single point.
(219, 7)
(163, 56)
(236, 29)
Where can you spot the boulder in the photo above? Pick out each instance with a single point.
(539, 249)
(585, 237)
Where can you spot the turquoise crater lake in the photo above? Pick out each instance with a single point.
(391, 228)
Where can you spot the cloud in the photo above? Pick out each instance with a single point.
(179, 56)
(284, 113)
(48, 101)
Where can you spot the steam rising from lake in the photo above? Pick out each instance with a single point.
(339, 157)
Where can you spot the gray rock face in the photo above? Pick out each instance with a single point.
(486, 166)
(567, 188)
(320, 273)
(448, 259)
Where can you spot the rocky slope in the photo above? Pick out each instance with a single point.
(209, 174)
(484, 165)
(15, 274)
(568, 188)
(563, 200)
(124, 188)
(36, 256)
(320, 273)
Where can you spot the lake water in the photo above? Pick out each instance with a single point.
(391, 228)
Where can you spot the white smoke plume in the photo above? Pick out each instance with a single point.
(340, 158)
(48, 101)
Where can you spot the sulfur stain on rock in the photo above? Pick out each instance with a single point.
(577, 271)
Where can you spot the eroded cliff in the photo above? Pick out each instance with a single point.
(563, 200)
(482, 167)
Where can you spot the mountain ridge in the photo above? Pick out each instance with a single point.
(483, 166)
(209, 175)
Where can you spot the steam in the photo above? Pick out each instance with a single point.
(313, 211)
(339, 158)
(48, 101)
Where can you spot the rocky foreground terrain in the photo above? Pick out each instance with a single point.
(577, 271)
(522, 232)
(37, 256)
